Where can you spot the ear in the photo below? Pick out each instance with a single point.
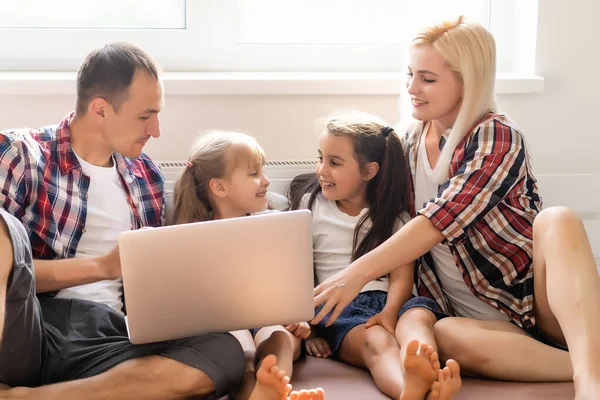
(98, 107)
(371, 169)
(217, 187)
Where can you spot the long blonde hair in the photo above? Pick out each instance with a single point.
(470, 51)
(214, 155)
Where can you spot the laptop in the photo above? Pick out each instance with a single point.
(217, 276)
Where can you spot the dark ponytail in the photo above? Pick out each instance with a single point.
(388, 197)
(387, 193)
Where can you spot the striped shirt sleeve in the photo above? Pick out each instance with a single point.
(13, 188)
(491, 164)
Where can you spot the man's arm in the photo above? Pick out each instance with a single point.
(53, 275)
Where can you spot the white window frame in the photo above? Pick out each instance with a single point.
(215, 62)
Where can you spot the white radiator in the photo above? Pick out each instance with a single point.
(580, 192)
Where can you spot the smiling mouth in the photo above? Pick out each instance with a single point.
(417, 102)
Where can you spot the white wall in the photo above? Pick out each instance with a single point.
(560, 124)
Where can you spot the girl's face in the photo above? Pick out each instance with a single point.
(247, 189)
(339, 171)
(435, 90)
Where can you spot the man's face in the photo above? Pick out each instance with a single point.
(127, 130)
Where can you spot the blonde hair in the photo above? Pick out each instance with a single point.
(470, 51)
(213, 156)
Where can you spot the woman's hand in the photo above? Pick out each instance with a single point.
(336, 293)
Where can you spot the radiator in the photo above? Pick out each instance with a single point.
(580, 192)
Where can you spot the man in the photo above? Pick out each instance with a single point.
(66, 192)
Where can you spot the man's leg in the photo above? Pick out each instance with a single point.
(20, 317)
(151, 377)
(210, 366)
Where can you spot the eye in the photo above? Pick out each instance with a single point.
(143, 118)
(429, 80)
(320, 158)
(335, 164)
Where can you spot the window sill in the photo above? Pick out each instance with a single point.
(255, 83)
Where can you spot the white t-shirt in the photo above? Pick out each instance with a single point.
(108, 214)
(464, 303)
(333, 234)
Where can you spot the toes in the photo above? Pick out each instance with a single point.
(447, 373)
(269, 362)
(441, 377)
(434, 393)
(435, 360)
(412, 347)
(320, 394)
(423, 348)
(278, 373)
(454, 368)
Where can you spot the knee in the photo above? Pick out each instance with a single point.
(378, 341)
(454, 343)
(417, 315)
(559, 219)
(227, 364)
(281, 338)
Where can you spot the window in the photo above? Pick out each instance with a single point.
(252, 35)
(77, 14)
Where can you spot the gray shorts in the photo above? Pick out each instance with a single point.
(49, 340)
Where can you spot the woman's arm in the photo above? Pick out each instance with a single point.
(413, 240)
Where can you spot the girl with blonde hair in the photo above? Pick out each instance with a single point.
(224, 178)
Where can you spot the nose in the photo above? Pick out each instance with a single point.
(412, 86)
(265, 181)
(153, 127)
(321, 169)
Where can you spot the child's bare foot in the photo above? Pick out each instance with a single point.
(449, 380)
(421, 365)
(434, 393)
(271, 383)
(313, 394)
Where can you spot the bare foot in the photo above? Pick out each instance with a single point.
(434, 393)
(421, 365)
(449, 380)
(271, 383)
(313, 394)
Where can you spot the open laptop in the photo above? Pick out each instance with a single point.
(217, 276)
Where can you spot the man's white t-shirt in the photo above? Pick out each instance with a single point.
(333, 235)
(108, 214)
(464, 303)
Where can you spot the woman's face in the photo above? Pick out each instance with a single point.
(434, 89)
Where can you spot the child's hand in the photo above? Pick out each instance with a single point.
(387, 319)
(299, 329)
(318, 347)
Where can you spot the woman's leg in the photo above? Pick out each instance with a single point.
(500, 350)
(567, 293)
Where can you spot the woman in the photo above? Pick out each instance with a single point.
(519, 284)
